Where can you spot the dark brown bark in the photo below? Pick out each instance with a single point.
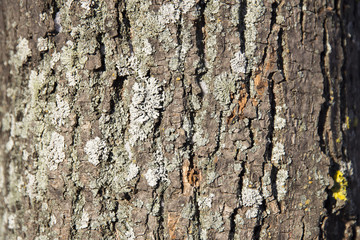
(179, 119)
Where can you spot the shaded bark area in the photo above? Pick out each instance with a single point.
(179, 119)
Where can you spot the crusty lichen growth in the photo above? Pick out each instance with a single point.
(97, 150)
(341, 184)
(145, 108)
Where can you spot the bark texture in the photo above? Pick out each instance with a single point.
(194, 119)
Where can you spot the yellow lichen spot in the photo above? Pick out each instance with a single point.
(338, 140)
(178, 79)
(310, 182)
(347, 122)
(307, 201)
(300, 204)
(339, 189)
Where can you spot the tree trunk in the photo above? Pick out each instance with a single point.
(194, 119)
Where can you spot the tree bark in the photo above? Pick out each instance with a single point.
(195, 119)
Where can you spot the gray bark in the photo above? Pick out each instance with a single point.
(195, 119)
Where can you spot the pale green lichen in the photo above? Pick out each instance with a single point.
(168, 13)
(22, 53)
(224, 85)
(97, 150)
(133, 171)
(54, 152)
(238, 63)
(252, 212)
(157, 171)
(61, 112)
(145, 108)
(277, 153)
(205, 202)
(250, 197)
(84, 221)
(281, 177)
(42, 44)
(255, 10)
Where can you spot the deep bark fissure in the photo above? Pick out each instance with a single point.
(301, 5)
(326, 93)
(279, 51)
(102, 68)
(272, 23)
(269, 137)
(242, 25)
(239, 196)
(126, 32)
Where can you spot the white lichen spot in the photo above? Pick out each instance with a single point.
(36, 81)
(281, 177)
(128, 150)
(132, 172)
(250, 197)
(252, 212)
(25, 155)
(224, 85)
(86, 4)
(200, 138)
(52, 220)
(144, 109)
(158, 171)
(96, 150)
(130, 234)
(55, 58)
(147, 49)
(9, 145)
(55, 151)
(84, 221)
(205, 202)
(42, 44)
(22, 53)
(279, 122)
(61, 112)
(30, 187)
(151, 177)
(255, 10)
(277, 153)
(238, 63)
(204, 87)
(11, 221)
(168, 14)
(187, 5)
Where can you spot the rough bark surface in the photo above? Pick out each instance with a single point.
(194, 119)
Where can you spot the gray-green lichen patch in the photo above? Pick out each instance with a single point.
(23, 51)
(61, 112)
(145, 108)
(279, 121)
(224, 85)
(277, 153)
(281, 178)
(157, 170)
(97, 150)
(54, 152)
(238, 63)
(133, 171)
(255, 10)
